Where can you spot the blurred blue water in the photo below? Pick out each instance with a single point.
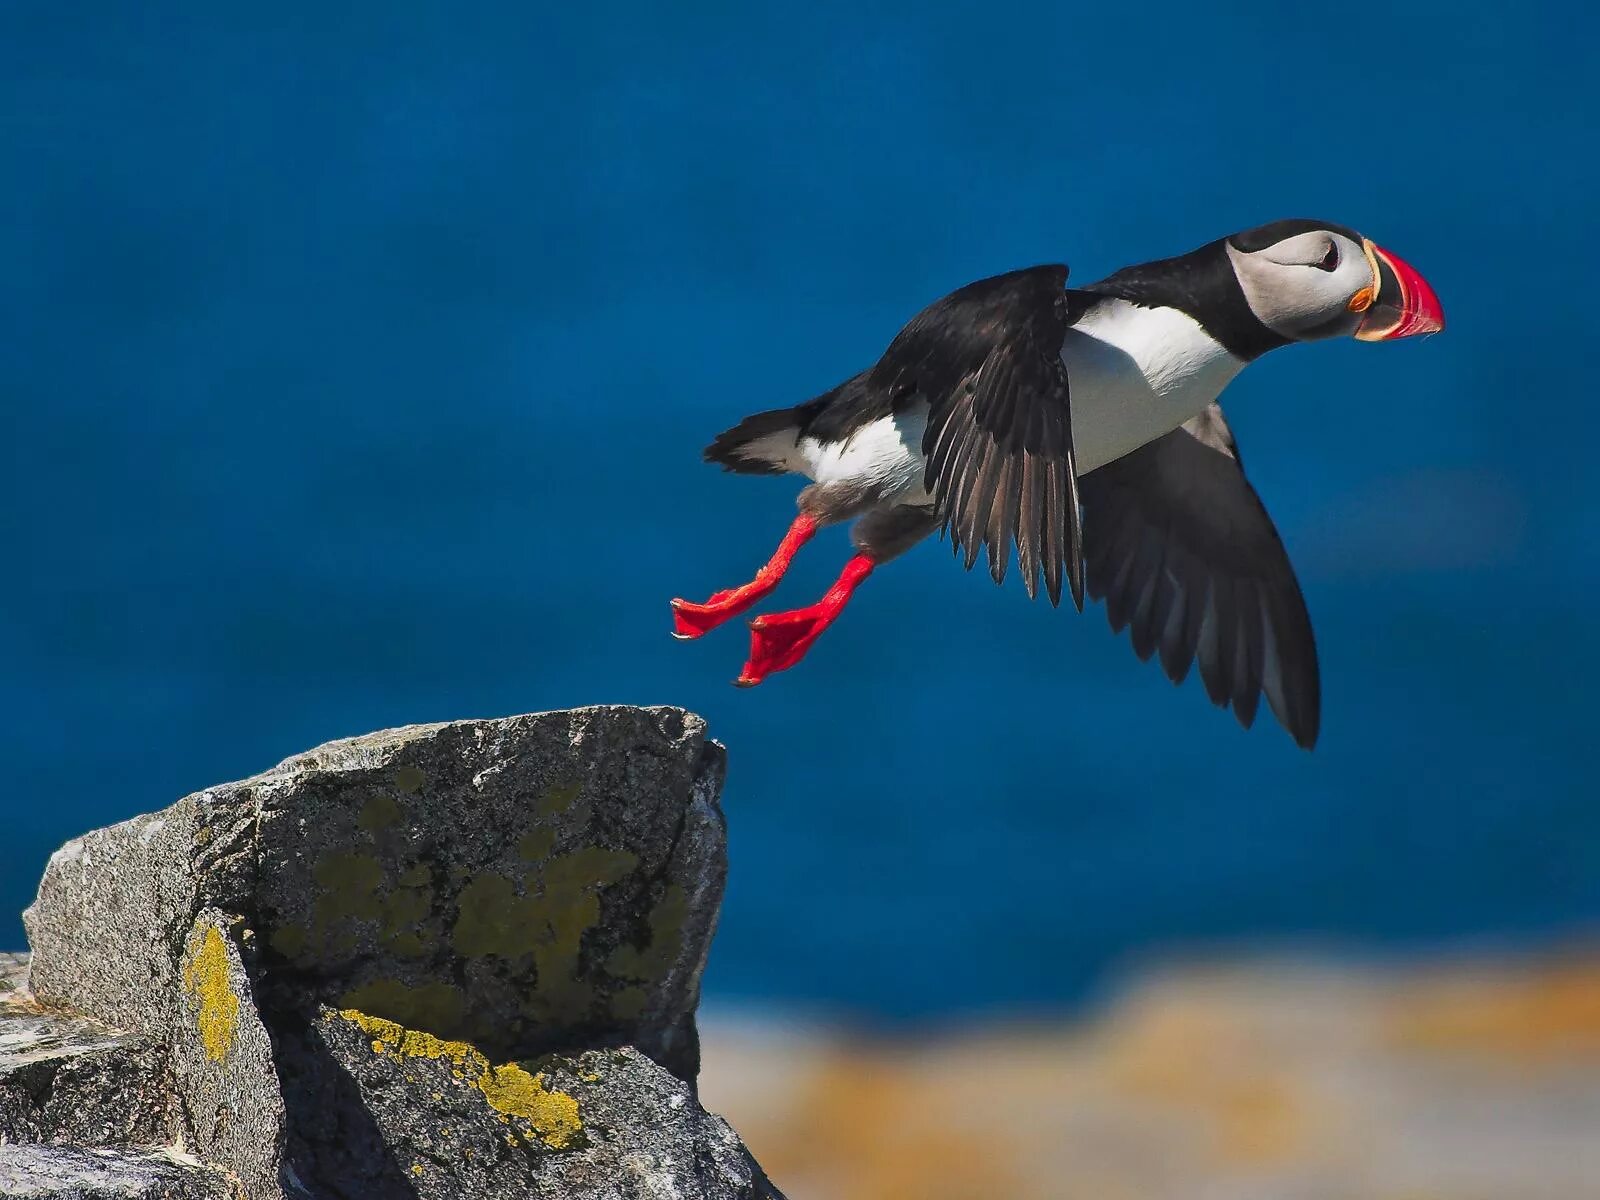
(354, 368)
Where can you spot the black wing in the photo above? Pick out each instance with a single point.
(1185, 556)
(987, 359)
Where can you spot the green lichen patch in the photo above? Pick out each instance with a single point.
(408, 944)
(409, 779)
(426, 1005)
(651, 964)
(378, 813)
(562, 993)
(592, 866)
(490, 919)
(349, 887)
(545, 918)
(355, 888)
(535, 845)
(628, 1003)
(404, 908)
(558, 799)
(289, 940)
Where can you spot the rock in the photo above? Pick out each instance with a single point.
(224, 1073)
(67, 1079)
(445, 960)
(13, 972)
(526, 884)
(448, 1123)
(108, 925)
(64, 1173)
(1452, 1077)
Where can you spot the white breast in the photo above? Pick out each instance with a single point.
(1137, 373)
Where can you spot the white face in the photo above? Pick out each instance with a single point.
(1309, 286)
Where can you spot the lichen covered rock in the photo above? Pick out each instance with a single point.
(445, 960)
(448, 1122)
(224, 1073)
(526, 884)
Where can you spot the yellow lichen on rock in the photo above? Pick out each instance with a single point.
(205, 977)
(513, 1092)
(394, 1038)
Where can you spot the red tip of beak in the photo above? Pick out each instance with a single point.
(1415, 310)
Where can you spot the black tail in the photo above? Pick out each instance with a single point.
(769, 442)
(764, 444)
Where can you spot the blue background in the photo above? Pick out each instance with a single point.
(354, 368)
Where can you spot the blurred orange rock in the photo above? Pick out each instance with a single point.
(1269, 1079)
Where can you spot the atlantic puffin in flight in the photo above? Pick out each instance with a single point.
(1082, 425)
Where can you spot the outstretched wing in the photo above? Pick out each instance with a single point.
(1187, 559)
(998, 444)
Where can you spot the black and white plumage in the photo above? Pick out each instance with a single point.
(984, 368)
(1081, 426)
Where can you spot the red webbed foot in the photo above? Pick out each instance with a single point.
(691, 620)
(779, 640)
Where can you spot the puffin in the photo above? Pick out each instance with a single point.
(1081, 427)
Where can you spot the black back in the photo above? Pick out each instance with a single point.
(942, 345)
(1203, 285)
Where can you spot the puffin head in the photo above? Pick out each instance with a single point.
(1307, 280)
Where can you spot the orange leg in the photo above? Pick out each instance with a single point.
(779, 640)
(692, 620)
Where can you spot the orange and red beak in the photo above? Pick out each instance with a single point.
(1401, 304)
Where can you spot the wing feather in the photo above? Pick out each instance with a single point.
(987, 361)
(1218, 591)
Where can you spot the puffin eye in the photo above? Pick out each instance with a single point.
(1330, 260)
